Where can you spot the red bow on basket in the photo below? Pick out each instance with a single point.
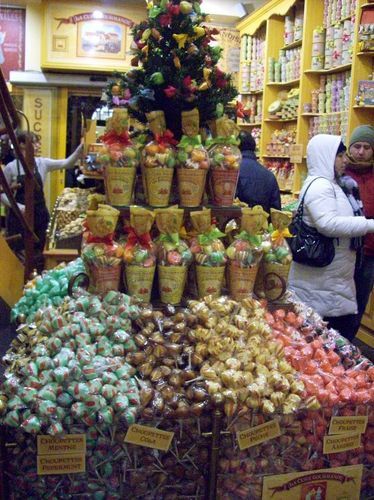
(166, 139)
(108, 239)
(91, 238)
(144, 240)
(112, 137)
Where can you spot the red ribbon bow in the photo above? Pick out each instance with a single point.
(90, 238)
(144, 240)
(166, 139)
(112, 137)
(108, 239)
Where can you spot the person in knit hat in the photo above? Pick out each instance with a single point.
(360, 167)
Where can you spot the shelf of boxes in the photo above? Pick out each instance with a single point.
(330, 60)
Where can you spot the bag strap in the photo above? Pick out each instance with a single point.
(300, 209)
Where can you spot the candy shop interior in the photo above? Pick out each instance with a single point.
(161, 353)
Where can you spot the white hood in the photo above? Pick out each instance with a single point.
(321, 154)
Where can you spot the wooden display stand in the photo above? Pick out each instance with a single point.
(271, 19)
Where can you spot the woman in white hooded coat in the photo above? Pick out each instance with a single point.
(329, 290)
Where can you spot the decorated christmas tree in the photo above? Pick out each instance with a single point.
(175, 66)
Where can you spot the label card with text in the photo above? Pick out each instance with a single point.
(341, 442)
(151, 437)
(325, 484)
(296, 153)
(344, 425)
(61, 464)
(64, 445)
(258, 434)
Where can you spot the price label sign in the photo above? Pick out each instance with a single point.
(61, 455)
(258, 434)
(296, 153)
(150, 437)
(344, 425)
(341, 442)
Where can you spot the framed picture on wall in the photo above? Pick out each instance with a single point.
(12, 40)
(88, 37)
(101, 39)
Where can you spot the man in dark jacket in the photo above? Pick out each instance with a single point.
(256, 184)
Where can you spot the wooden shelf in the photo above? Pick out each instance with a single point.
(275, 156)
(292, 45)
(366, 53)
(367, 106)
(252, 92)
(256, 124)
(325, 114)
(274, 120)
(369, 4)
(337, 69)
(290, 83)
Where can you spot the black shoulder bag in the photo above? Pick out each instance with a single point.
(308, 246)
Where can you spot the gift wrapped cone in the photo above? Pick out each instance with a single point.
(104, 278)
(223, 186)
(139, 281)
(171, 282)
(209, 280)
(158, 185)
(119, 185)
(241, 280)
(191, 185)
(275, 279)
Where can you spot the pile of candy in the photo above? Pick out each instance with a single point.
(46, 289)
(76, 372)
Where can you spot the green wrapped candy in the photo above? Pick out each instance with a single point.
(32, 425)
(12, 418)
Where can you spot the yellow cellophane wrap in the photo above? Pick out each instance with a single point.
(190, 122)
(141, 219)
(253, 220)
(169, 220)
(201, 220)
(102, 221)
(156, 122)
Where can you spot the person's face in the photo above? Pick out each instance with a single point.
(361, 151)
(340, 163)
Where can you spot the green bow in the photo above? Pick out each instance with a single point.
(189, 141)
(222, 140)
(208, 238)
(154, 12)
(171, 239)
(255, 239)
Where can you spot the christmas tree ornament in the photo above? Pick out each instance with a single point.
(146, 34)
(186, 7)
(181, 39)
(156, 34)
(177, 62)
(157, 78)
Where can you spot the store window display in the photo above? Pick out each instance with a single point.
(330, 290)
(15, 177)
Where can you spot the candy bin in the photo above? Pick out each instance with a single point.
(225, 158)
(192, 161)
(140, 254)
(209, 254)
(277, 261)
(158, 161)
(173, 255)
(119, 159)
(245, 252)
(101, 255)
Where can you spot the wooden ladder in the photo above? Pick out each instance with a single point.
(10, 122)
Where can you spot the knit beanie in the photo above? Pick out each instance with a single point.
(363, 133)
